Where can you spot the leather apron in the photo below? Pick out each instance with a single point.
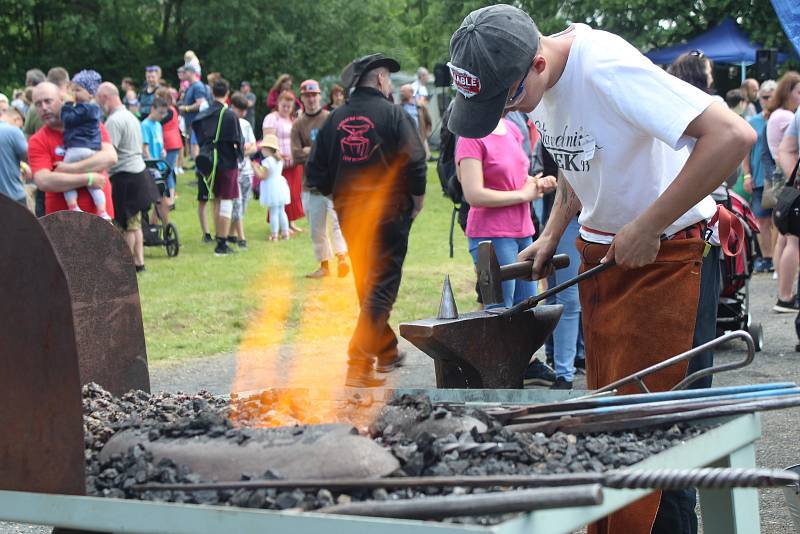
(633, 319)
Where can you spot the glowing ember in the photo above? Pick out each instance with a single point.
(295, 349)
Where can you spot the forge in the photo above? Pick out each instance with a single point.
(477, 452)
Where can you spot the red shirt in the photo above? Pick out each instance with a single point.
(45, 149)
(172, 132)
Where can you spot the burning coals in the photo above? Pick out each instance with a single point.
(411, 437)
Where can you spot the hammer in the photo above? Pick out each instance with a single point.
(491, 275)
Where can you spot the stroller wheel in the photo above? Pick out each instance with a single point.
(757, 333)
(171, 242)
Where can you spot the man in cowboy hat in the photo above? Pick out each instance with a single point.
(369, 157)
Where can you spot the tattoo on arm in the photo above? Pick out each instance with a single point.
(565, 196)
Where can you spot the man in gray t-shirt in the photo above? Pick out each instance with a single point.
(132, 188)
(13, 149)
(789, 149)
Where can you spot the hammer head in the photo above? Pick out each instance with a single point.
(489, 282)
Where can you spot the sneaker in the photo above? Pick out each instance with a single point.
(222, 249)
(539, 374)
(767, 263)
(759, 266)
(561, 383)
(342, 269)
(207, 238)
(322, 272)
(389, 365)
(232, 240)
(783, 306)
(242, 244)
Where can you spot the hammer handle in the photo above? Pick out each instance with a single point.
(522, 269)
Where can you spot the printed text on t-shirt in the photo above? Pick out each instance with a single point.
(572, 148)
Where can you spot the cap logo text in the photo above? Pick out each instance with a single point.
(465, 82)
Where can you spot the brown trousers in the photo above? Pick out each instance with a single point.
(634, 319)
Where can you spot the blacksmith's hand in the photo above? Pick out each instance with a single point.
(634, 246)
(540, 252)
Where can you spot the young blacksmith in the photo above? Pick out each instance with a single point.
(639, 152)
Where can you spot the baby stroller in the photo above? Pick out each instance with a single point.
(733, 310)
(160, 235)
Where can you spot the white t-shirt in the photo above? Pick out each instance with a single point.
(248, 136)
(614, 123)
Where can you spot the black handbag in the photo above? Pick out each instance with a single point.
(786, 214)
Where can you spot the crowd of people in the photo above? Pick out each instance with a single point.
(171, 128)
(82, 143)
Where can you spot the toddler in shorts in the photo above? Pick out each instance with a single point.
(81, 120)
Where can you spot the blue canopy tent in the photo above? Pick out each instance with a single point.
(725, 43)
(788, 12)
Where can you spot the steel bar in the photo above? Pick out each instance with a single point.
(654, 408)
(705, 478)
(470, 505)
(584, 403)
(578, 426)
(529, 481)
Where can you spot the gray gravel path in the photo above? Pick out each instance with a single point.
(778, 362)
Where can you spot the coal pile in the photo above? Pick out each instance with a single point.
(427, 440)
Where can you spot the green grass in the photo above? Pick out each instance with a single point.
(197, 304)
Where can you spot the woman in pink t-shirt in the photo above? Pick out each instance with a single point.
(494, 175)
(279, 123)
(780, 110)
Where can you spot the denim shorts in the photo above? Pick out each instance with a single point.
(755, 205)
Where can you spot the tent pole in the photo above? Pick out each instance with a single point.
(743, 71)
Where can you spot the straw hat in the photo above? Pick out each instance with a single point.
(269, 141)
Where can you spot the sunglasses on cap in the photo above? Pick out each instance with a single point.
(152, 68)
(697, 53)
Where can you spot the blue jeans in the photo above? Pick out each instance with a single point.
(172, 159)
(705, 326)
(566, 336)
(507, 248)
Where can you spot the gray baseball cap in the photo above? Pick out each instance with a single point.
(492, 49)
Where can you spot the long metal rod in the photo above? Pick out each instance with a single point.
(579, 426)
(529, 481)
(470, 505)
(706, 478)
(505, 414)
(653, 408)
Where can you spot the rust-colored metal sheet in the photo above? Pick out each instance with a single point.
(105, 300)
(41, 443)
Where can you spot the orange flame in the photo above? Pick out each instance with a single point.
(292, 361)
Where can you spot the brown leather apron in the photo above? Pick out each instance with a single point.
(633, 319)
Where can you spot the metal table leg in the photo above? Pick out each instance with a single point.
(732, 511)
